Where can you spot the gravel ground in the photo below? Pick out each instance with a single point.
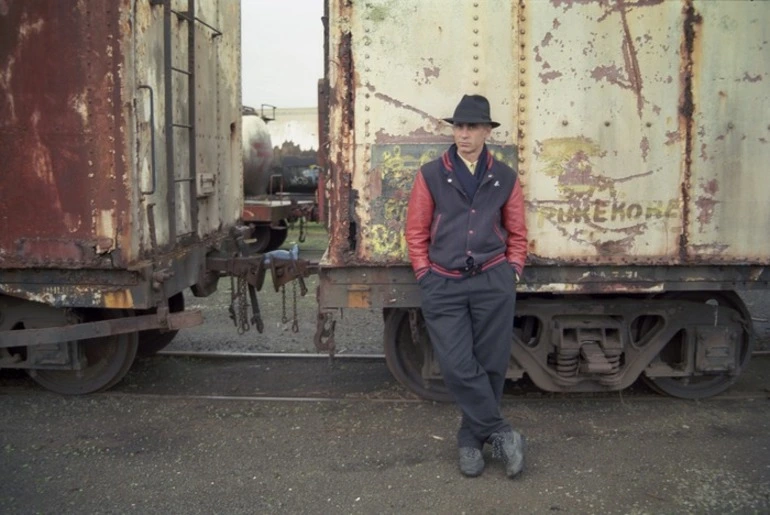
(134, 454)
(358, 331)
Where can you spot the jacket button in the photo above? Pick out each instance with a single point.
(470, 253)
(473, 211)
(470, 232)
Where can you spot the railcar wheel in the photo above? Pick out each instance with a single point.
(405, 357)
(154, 340)
(107, 360)
(278, 234)
(699, 387)
(261, 234)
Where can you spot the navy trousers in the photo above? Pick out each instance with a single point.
(470, 324)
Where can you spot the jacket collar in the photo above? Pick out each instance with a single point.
(446, 158)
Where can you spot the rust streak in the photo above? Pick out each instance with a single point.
(635, 176)
(631, 59)
(686, 110)
(340, 188)
(402, 105)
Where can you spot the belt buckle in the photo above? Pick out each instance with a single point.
(470, 268)
(471, 271)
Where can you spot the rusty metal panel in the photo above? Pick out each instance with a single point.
(65, 173)
(729, 197)
(387, 100)
(625, 117)
(602, 149)
(82, 130)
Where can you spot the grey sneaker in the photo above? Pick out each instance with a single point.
(471, 461)
(509, 447)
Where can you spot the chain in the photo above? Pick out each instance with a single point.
(324, 333)
(242, 306)
(302, 229)
(231, 308)
(295, 324)
(284, 318)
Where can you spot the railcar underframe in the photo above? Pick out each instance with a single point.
(682, 329)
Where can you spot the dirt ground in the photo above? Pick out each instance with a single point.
(135, 450)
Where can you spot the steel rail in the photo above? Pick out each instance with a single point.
(507, 398)
(304, 355)
(270, 355)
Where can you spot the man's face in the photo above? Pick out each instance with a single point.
(470, 137)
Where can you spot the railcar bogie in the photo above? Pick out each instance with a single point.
(689, 345)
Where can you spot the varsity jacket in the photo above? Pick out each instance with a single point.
(454, 235)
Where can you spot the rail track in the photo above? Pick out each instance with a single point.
(302, 377)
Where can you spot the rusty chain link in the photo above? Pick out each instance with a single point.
(242, 305)
(238, 304)
(302, 234)
(295, 324)
(284, 318)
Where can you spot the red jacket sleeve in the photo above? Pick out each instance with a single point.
(419, 217)
(515, 224)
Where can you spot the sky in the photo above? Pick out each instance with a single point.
(281, 52)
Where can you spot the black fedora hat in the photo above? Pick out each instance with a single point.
(472, 109)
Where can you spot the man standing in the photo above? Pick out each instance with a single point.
(467, 243)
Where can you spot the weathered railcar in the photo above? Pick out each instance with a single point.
(120, 177)
(640, 133)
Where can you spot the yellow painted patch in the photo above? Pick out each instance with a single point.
(557, 152)
(358, 296)
(118, 299)
(387, 242)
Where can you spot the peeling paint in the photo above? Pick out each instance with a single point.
(749, 78)
(601, 107)
(546, 77)
(644, 146)
(706, 208)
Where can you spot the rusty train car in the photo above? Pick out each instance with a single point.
(639, 130)
(121, 179)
